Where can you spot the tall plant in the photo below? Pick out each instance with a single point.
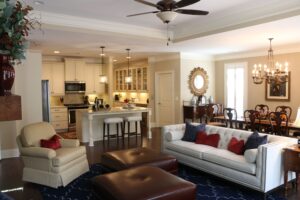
(14, 27)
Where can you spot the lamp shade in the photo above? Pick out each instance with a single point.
(102, 79)
(297, 121)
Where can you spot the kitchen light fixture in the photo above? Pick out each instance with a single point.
(128, 78)
(102, 78)
(56, 52)
(270, 71)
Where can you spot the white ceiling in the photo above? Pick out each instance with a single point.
(79, 28)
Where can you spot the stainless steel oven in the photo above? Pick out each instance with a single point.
(72, 114)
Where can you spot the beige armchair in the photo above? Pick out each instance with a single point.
(50, 167)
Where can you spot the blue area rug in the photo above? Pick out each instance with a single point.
(208, 187)
(4, 196)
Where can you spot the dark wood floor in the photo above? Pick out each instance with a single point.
(11, 169)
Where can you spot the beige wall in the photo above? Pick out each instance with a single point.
(160, 64)
(186, 66)
(28, 86)
(256, 93)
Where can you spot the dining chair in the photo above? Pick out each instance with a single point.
(286, 109)
(188, 113)
(230, 117)
(263, 110)
(211, 112)
(279, 123)
(252, 120)
(201, 113)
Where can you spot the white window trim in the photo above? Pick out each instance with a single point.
(230, 65)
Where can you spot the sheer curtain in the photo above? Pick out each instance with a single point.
(236, 86)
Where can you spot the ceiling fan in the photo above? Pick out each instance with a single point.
(168, 9)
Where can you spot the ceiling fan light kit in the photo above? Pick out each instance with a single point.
(166, 16)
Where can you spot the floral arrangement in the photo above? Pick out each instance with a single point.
(14, 27)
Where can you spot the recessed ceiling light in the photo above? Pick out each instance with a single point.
(56, 52)
(115, 60)
(38, 3)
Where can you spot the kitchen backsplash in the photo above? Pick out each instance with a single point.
(135, 97)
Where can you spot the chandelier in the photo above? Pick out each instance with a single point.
(271, 71)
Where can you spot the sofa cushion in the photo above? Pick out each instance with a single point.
(65, 155)
(211, 140)
(173, 135)
(236, 146)
(191, 131)
(228, 159)
(255, 141)
(188, 148)
(250, 155)
(33, 133)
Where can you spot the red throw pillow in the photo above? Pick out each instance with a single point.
(52, 143)
(201, 137)
(211, 140)
(236, 146)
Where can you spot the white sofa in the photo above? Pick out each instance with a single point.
(264, 174)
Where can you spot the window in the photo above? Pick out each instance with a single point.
(236, 86)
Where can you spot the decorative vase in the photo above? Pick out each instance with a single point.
(7, 75)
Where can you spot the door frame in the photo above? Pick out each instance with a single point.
(156, 96)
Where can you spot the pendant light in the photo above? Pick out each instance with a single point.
(128, 78)
(102, 78)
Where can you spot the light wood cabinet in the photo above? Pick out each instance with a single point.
(139, 79)
(74, 70)
(59, 118)
(93, 86)
(54, 72)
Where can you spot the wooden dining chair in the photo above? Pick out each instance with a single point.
(230, 117)
(286, 109)
(252, 120)
(263, 110)
(201, 113)
(211, 112)
(279, 123)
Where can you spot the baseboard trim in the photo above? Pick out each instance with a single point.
(9, 153)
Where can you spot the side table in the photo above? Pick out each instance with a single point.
(291, 162)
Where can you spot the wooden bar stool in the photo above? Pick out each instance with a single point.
(132, 119)
(119, 124)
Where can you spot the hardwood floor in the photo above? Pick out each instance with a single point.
(11, 169)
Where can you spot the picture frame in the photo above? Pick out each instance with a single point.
(278, 91)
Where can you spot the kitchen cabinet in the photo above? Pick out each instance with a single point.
(54, 72)
(139, 79)
(74, 70)
(59, 118)
(93, 86)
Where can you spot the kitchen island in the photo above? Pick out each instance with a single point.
(89, 123)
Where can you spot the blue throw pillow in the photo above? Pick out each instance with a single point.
(191, 132)
(254, 141)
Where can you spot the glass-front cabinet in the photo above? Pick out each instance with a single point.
(139, 79)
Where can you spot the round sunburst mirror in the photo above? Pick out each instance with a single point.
(198, 81)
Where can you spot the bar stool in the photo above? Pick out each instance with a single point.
(114, 120)
(135, 119)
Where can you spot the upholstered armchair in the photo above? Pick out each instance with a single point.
(46, 166)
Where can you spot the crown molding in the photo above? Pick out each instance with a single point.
(68, 22)
(236, 18)
(259, 53)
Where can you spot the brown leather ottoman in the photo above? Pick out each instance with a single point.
(144, 182)
(124, 159)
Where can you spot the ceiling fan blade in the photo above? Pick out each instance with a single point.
(150, 4)
(184, 3)
(142, 13)
(191, 12)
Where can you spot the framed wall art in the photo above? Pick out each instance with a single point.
(278, 91)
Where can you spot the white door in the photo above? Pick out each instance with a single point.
(164, 98)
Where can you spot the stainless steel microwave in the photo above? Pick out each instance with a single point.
(74, 87)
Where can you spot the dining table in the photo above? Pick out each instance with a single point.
(241, 121)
